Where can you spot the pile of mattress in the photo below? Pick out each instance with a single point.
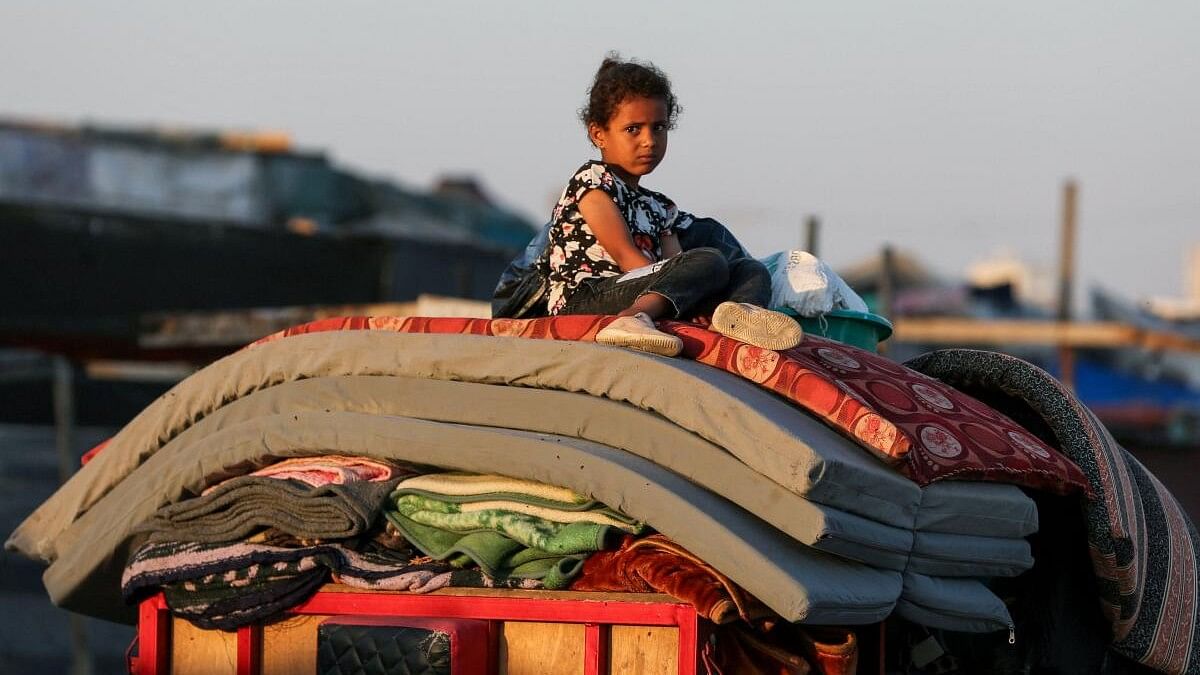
(257, 545)
(1144, 548)
(787, 505)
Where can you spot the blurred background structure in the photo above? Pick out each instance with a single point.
(147, 226)
(110, 235)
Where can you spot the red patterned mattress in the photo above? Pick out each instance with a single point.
(926, 429)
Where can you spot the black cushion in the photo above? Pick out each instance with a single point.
(381, 650)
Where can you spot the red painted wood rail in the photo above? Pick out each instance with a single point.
(598, 616)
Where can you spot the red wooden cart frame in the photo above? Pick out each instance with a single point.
(597, 616)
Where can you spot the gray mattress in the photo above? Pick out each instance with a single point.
(790, 448)
(799, 583)
(964, 605)
(671, 441)
(992, 509)
(589, 418)
(961, 555)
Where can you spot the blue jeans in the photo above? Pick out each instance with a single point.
(693, 282)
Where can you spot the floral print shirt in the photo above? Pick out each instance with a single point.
(576, 255)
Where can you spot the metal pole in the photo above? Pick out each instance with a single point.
(1066, 277)
(63, 388)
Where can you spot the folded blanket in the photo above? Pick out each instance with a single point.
(464, 492)
(228, 585)
(240, 507)
(275, 537)
(503, 557)
(214, 603)
(464, 487)
(657, 564)
(493, 512)
(375, 568)
(327, 470)
(1144, 548)
(536, 515)
(561, 532)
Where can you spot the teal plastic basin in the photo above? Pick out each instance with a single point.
(864, 330)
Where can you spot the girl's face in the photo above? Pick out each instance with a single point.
(635, 139)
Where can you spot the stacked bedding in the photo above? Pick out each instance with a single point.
(1143, 547)
(510, 528)
(832, 504)
(253, 546)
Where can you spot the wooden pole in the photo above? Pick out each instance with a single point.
(887, 285)
(812, 233)
(1066, 277)
(64, 417)
(1193, 275)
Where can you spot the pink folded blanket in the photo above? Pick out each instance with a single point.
(327, 470)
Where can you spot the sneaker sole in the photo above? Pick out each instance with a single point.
(663, 345)
(759, 327)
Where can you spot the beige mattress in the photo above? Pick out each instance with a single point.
(790, 448)
(798, 582)
(790, 509)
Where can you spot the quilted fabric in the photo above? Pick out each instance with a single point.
(381, 650)
(1144, 548)
(949, 435)
(928, 430)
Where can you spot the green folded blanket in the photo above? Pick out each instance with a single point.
(455, 486)
(240, 507)
(511, 528)
(500, 556)
(477, 492)
(588, 531)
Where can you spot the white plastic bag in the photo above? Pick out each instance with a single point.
(844, 297)
(803, 283)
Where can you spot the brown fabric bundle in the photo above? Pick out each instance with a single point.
(788, 650)
(830, 650)
(657, 564)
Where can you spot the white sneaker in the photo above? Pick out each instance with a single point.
(757, 326)
(638, 332)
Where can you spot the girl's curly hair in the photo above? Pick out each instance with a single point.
(617, 80)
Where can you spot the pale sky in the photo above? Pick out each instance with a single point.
(945, 128)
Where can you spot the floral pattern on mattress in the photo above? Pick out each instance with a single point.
(926, 429)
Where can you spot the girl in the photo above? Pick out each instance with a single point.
(613, 243)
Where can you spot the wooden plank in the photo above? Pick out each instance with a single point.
(539, 646)
(195, 651)
(595, 648)
(951, 330)
(1095, 334)
(137, 371)
(249, 649)
(644, 650)
(598, 596)
(154, 638)
(290, 646)
(161, 330)
(528, 648)
(514, 608)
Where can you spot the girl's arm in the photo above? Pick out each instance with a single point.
(607, 223)
(670, 245)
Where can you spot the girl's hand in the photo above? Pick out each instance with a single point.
(611, 231)
(670, 245)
